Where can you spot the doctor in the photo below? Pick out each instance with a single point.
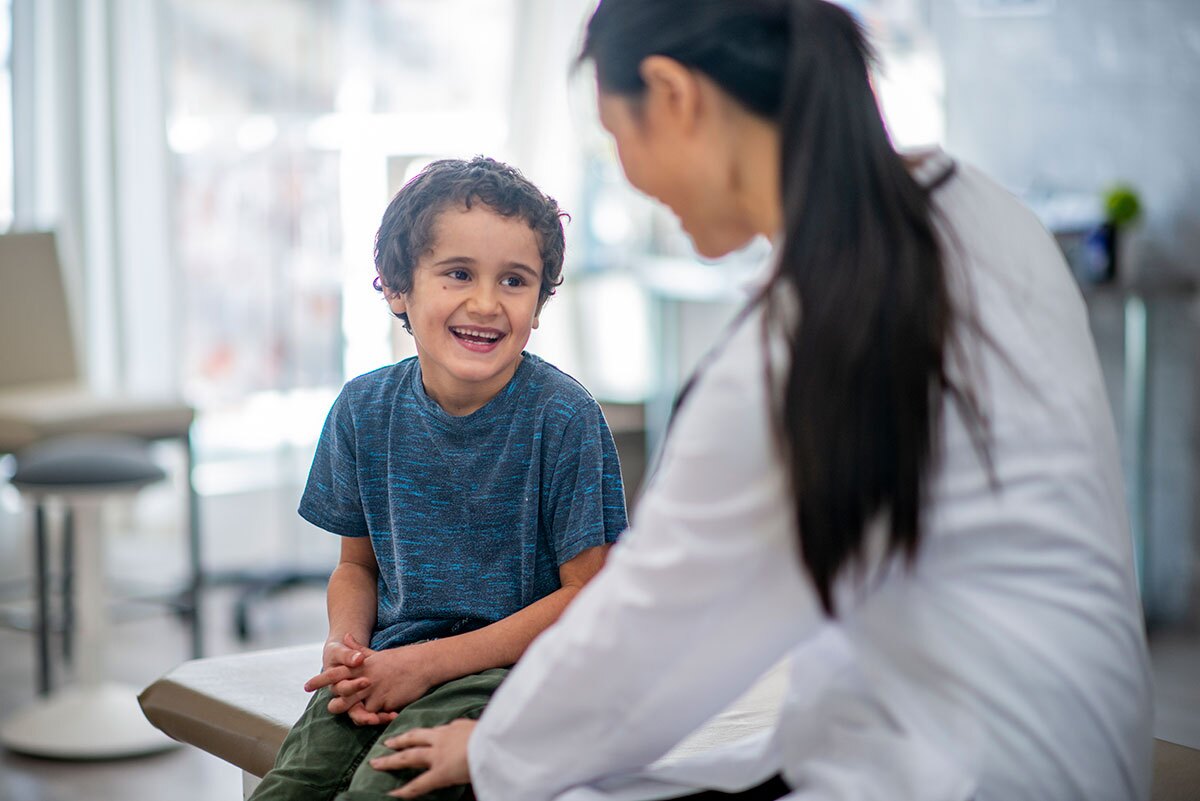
(904, 441)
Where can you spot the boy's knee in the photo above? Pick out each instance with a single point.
(369, 782)
(364, 787)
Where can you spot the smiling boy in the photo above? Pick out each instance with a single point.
(476, 487)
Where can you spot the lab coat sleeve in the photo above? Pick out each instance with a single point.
(698, 599)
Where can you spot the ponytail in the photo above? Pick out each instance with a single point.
(861, 397)
(859, 400)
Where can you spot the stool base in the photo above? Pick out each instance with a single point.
(93, 722)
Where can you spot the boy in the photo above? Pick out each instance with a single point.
(475, 486)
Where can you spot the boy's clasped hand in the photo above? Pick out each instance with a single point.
(369, 685)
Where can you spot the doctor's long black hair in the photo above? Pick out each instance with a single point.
(860, 400)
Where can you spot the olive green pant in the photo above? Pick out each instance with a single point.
(326, 756)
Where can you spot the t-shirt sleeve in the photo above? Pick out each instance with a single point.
(331, 498)
(586, 503)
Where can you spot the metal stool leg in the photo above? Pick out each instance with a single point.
(42, 579)
(68, 586)
(196, 571)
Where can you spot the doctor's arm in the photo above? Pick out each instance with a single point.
(701, 597)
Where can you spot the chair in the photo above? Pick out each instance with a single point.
(43, 392)
(94, 718)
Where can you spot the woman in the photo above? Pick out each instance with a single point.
(904, 441)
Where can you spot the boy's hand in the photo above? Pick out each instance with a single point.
(395, 678)
(340, 670)
(337, 653)
(359, 716)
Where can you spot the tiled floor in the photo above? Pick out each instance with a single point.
(244, 530)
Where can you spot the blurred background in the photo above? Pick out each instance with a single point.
(215, 170)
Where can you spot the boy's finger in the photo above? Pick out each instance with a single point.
(379, 718)
(361, 717)
(343, 655)
(351, 687)
(342, 704)
(330, 676)
(339, 705)
(360, 649)
(320, 680)
(348, 652)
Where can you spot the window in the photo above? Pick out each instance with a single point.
(290, 124)
(6, 120)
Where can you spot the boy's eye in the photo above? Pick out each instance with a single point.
(514, 281)
(458, 275)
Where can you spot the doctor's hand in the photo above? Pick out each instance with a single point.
(441, 752)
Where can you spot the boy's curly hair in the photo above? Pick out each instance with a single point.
(407, 229)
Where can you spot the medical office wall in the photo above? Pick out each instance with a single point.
(1072, 97)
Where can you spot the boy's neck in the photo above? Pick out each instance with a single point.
(459, 400)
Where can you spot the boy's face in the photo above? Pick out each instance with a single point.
(473, 305)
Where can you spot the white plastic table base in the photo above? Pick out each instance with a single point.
(92, 722)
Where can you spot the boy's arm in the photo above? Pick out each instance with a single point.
(502, 643)
(401, 675)
(351, 601)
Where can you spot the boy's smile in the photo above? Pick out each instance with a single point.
(473, 305)
(480, 340)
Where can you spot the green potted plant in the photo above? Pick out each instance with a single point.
(1122, 208)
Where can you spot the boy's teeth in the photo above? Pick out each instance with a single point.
(470, 332)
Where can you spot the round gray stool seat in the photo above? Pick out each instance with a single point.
(95, 461)
(105, 721)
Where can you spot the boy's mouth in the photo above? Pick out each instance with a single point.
(480, 340)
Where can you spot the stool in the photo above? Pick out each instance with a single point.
(94, 718)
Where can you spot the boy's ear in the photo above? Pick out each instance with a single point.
(395, 301)
(537, 312)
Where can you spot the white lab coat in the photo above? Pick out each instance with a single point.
(1008, 665)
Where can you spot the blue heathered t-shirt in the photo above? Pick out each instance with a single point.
(469, 517)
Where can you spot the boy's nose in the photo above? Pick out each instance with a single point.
(484, 301)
